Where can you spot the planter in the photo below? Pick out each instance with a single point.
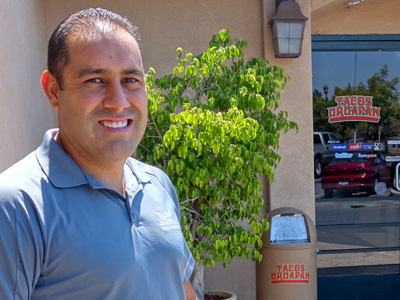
(225, 295)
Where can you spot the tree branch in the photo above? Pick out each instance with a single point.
(156, 128)
(189, 200)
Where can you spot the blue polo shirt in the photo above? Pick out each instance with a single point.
(66, 235)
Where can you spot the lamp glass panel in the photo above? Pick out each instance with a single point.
(283, 30)
(294, 45)
(296, 30)
(283, 45)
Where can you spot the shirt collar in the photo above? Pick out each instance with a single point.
(64, 172)
(60, 168)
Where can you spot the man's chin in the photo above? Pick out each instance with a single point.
(119, 150)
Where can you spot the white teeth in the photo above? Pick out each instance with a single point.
(120, 124)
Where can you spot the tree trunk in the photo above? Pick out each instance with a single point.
(197, 279)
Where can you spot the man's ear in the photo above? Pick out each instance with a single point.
(51, 89)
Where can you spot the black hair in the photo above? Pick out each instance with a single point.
(88, 22)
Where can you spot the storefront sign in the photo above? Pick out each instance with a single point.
(393, 142)
(367, 146)
(354, 146)
(354, 108)
(362, 155)
(293, 273)
(392, 158)
(343, 155)
(377, 146)
(340, 147)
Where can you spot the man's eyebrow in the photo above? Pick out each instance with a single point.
(133, 71)
(90, 70)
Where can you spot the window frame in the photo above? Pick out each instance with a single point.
(356, 42)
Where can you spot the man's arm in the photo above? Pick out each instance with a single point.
(20, 248)
(189, 291)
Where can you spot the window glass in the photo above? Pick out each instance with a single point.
(326, 138)
(356, 199)
(317, 139)
(333, 138)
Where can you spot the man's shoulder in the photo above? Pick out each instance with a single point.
(17, 178)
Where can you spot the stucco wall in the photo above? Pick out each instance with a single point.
(166, 25)
(24, 113)
(368, 17)
(294, 177)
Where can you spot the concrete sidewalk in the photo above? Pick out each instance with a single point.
(358, 231)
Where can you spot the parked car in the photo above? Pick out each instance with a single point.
(323, 153)
(355, 172)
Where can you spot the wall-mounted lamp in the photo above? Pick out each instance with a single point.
(288, 29)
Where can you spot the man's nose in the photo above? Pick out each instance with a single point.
(115, 98)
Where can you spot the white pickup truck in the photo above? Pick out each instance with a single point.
(323, 153)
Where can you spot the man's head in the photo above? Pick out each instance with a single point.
(87, 23)
(102, 104)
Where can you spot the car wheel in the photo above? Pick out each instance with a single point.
(317, 168)
(328, 193)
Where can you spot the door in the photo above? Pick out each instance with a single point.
(356, 98)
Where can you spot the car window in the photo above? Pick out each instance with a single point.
(380, 158)
(325, 137)
(317, 139)
(333, 138)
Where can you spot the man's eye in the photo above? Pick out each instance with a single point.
(94, 80)
(130, 80)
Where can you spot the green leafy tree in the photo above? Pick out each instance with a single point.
(213, 128)
(385, 95)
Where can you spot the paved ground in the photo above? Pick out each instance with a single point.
(357, 231)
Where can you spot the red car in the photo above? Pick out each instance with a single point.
(355, 172)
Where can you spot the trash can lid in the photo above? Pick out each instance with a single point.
(288, 229)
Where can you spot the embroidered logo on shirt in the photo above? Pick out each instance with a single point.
(166, 221)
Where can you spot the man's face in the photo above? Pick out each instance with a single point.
(103, 106)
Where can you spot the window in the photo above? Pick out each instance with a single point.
(357, 204)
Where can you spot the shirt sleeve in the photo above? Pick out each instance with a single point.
(189, 265)
(20, 245)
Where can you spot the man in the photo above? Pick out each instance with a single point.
(80, 219)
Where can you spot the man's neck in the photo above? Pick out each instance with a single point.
(111, 174)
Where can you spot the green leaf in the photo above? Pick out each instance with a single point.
(213, 128)
(179, 52)
(223, 34)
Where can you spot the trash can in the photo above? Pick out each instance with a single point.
(288, 270)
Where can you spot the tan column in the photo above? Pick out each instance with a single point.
(294, 177)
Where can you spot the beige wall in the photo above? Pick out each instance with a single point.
(294, 177)
(166, 25)
(24, 113)
(368, 17)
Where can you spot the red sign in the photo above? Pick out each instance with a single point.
(354, 146)
(354, 108)
(290, 274)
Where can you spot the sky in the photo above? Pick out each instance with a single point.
(338, 68)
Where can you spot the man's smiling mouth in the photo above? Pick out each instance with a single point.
(115, 124)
